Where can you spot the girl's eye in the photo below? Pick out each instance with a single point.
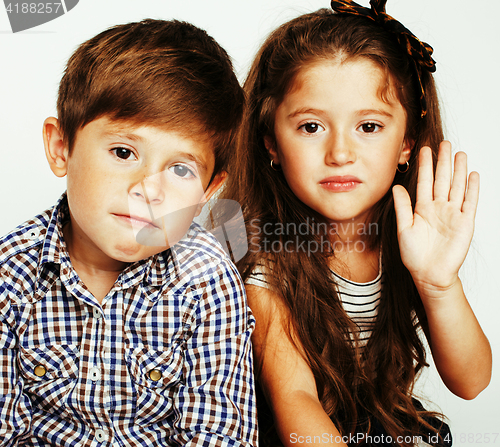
(311, 127)
(182, 171)
(123, 153)
(369, 127)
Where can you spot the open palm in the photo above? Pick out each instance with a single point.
(435, 237)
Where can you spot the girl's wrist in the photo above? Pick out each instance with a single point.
(430, 292)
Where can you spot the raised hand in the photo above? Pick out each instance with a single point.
(435, 237)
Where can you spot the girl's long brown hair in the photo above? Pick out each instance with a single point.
(378, 379)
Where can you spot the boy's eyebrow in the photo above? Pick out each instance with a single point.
(128, 136)
(198, 160)
(131, 136)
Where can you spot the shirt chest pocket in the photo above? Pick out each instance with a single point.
(49, 373)
(155, 369)
(156, 375)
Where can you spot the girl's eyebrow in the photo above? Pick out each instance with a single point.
(366, 112)
(374, 112)
(305, 110)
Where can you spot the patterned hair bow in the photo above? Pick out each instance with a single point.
(420, 52)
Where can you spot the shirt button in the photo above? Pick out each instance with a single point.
(40, 371)
(100, 435)
(155, 375)
(97, 314)
(34, 233)
(95, 374)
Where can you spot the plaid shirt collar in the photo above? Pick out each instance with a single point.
(54, 258)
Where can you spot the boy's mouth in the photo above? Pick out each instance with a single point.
(137, 221)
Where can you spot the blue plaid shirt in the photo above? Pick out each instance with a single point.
(165, 359)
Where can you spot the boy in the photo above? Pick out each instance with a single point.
(109, 333)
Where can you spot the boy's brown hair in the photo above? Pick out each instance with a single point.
(169, 74)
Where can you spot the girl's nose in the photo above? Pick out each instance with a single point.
(150, 190)
(340, 149)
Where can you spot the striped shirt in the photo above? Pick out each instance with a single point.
(360, 300)
(165, 359)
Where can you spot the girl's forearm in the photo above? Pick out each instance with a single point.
(461, 351)
(301, 420)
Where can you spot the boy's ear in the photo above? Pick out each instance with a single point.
(405, 154)
(271, 148)
(55, 150)
(214, 186)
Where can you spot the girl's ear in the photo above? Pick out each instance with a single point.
(55, 150)
(270, 144)
(405, 154)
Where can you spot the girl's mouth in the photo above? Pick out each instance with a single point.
(339, 183)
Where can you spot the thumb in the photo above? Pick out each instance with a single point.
(403, 208)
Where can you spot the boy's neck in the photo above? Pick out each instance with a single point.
(96, 270)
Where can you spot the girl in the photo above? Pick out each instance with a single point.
(357, 228)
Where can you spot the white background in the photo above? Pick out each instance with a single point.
(466, 40)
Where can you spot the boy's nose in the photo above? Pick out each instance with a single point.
(150, 189)
(340, 149)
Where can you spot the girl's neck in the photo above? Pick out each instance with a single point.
(353, 231)
(355, 258)
(356, 265)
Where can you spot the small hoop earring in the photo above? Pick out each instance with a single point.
(402, 171)
(273, 166)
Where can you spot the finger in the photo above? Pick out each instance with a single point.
(472, 196)
(442, 183)
(402, 206)
(425, 175)
(459, 184)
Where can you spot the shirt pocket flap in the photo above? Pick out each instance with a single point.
(155, 369)
(49, 362)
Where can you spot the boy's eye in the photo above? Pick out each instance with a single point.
(369, 127)
(182, 171)
(123, 153)
(311, 127)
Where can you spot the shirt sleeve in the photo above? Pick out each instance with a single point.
(215, 405)
(15, 407)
